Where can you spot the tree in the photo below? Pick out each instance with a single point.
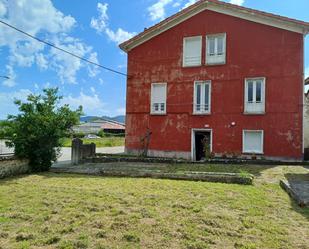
(36, 131)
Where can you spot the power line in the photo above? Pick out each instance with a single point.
(5, 77)
(63, 50)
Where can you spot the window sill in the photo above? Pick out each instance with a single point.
(251, 153)
(215, 63)
(184, 66)
(254, 113)
(157, 114)
(201, 113)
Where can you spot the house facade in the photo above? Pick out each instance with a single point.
(217, 78)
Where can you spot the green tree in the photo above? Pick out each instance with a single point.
(36, 131)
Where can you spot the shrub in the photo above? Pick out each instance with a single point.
(101, 133)
(79, 135)
(36, 131)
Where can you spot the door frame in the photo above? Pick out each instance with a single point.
(193, 131)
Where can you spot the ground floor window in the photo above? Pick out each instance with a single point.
(158, 98)
(253, 141)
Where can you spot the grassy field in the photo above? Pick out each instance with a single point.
(100, 142)
(73, 211)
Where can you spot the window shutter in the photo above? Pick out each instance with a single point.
(192, 51)
(158, 98)
(253, 142)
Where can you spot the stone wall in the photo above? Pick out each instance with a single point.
(10, 166)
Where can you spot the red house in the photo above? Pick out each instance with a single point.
(218, 78)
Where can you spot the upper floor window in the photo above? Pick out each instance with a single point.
(255, 96)
(158, 98)
(215, 49)
(202, 97)
(192, 51)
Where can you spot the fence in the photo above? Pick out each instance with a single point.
(4, 150)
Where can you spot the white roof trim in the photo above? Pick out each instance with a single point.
(216, 7)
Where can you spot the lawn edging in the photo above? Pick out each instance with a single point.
(236, 178)
(233, 178)
(108, 158)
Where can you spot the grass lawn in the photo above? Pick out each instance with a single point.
(74, 211)
(100, 142)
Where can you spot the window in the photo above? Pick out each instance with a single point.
(253, 141)
(158, 98)
(255, 96)
(192, 51)
(202, 97)
(215, 49)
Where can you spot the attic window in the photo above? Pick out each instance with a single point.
(216, 49)
(192, 51)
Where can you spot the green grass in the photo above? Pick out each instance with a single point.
(74, 211)
(100, 142)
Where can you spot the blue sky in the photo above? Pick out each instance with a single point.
(92, 29)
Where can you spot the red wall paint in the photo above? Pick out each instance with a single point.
(253, 50)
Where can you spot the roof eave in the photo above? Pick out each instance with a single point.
(224, 8)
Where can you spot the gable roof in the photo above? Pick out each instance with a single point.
(220, 7)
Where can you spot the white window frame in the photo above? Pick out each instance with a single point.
(216, 59)
(201, 112)
(159, 112)
(262, 104)
(243, 142)
(185, 39)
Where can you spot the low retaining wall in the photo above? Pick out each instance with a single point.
(108, 158)
(187, 175)
(10, 166)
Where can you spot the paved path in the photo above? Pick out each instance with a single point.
(298, 190)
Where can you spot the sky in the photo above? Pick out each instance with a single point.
(91, 29)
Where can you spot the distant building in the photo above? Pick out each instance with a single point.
(95, 126)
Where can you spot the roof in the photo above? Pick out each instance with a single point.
(221, 7)
(307, 81)
(112, 126)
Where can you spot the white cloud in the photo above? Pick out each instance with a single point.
(12, 76)
(237, 2)
(92, 104)
(157, 10)
(119, 36)
(66, 65)
(2, 9)
(101, 25)
(7, 101)
(41, 17)
(189, 3)
(93, 70)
